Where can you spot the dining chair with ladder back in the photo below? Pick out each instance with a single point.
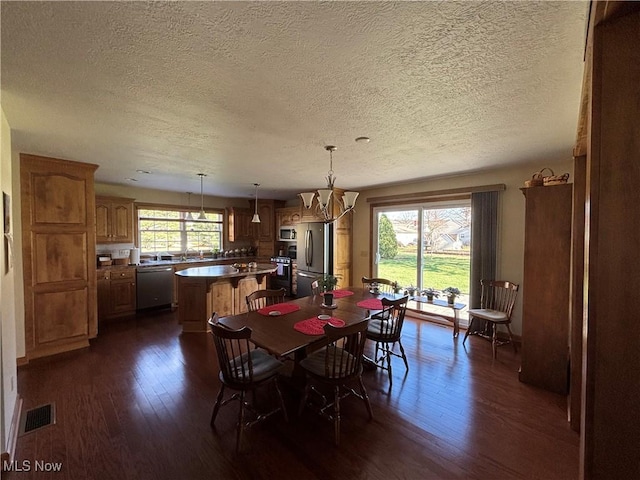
(383, 285)
(338, 365)
(385, 329)
(243, 369)
(263, 298)
(496, 305)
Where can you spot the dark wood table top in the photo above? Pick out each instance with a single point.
(277, 335)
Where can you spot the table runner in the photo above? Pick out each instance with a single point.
(283, 308)
(370, 304)
(339, 293)
(315, 326)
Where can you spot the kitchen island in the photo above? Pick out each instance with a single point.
(218, 288)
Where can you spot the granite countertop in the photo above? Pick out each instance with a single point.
(160, 263)
(226, 271)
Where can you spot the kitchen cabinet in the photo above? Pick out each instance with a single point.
(114, 220)
(240, 226)
(122, 292)
(545, 289)
(116, 292)
(104, 279)
(311, 214)
(265, 231)
(287, 217)
(58, 255)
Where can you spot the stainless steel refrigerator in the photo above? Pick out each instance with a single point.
(314, 254)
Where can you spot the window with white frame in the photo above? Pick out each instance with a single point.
(424, 245)
(174, 231)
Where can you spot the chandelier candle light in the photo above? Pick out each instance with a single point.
(324, 194)
(256, 217)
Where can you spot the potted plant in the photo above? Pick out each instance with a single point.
(451, 293)
(411, 290)
(327, 282)
(396, 287)
(430, 293)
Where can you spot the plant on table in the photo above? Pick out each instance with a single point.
(411, 290)
(327, 282)
(451, 293)
(430, 293)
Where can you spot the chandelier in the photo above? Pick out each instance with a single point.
(324, 195)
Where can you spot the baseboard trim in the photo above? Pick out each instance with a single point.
(13, 432)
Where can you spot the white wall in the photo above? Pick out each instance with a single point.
(7, 296)
(510, 218)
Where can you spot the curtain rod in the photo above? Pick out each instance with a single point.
(439, 193)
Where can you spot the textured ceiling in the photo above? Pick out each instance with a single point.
(252, 91)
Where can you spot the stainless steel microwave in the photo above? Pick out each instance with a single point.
(287, 234)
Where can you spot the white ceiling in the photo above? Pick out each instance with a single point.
(252, 91)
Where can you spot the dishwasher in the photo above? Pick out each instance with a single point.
(154, 287)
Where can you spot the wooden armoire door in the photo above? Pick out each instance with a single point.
(58, 248)
(545, 289)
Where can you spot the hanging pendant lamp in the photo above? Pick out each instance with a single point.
(256, 217)
(202, 216)
(189, 216)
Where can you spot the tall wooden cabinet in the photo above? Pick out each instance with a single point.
(546, 287)
(58, 248)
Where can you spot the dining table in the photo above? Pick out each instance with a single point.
(281, 335)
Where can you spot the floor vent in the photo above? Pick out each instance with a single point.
(37, 418)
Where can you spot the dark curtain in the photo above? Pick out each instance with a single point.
(484, 233)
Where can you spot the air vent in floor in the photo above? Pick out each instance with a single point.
(37, 418)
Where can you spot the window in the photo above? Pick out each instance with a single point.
(424, 245)
(166, 230)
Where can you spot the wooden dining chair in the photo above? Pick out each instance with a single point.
(383, 285)
(496, 305)
(385, 329)
(243, 369)
(338, 365)
(264, 298)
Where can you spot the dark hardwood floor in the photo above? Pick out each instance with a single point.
(137, 404)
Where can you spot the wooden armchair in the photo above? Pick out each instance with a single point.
(496, 305)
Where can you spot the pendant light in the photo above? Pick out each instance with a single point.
(256, 217)
(202, 216)
(189, 216)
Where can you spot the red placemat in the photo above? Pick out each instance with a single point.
(315, 326)
(283, 308)
(340, 293)
(370, 304)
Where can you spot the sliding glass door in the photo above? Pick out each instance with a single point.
(425, 245)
